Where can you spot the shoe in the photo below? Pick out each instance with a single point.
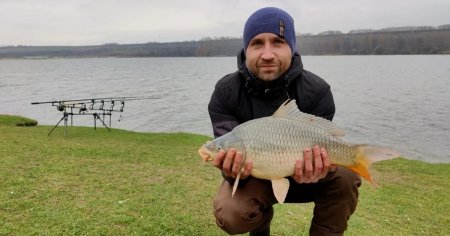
(260, 232)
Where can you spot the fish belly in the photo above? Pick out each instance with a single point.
(274, 145)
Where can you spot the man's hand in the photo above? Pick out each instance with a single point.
(314, 166)
(230, 163)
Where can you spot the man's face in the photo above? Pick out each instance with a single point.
(268, 56)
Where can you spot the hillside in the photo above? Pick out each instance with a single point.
(418, 41)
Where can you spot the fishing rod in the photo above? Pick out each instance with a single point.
(98, 99)
(97, 107)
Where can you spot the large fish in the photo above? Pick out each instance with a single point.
(275, 143)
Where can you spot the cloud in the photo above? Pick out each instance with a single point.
(81, 22)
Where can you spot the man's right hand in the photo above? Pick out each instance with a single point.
(230, 163)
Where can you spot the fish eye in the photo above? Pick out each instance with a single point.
(215, 146)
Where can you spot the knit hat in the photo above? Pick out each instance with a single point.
(270, 20)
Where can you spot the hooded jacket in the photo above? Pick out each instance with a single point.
(239, 97)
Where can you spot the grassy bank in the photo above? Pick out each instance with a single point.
(127, 183)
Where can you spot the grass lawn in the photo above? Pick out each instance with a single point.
(96, 182)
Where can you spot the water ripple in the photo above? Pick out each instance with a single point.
(397, 101)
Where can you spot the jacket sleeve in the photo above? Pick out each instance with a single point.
(315, 96)
(222, 110)
(222, 113)
(324, 105)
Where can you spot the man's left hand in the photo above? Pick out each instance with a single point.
(314, 166)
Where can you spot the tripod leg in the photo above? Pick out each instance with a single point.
(95, 121)
(98, 117)
(65, 126)
(56, 125)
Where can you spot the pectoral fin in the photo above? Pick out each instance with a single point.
(280, 189)
(236, 183)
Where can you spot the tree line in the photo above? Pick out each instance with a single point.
(436, 41)
(378, 43)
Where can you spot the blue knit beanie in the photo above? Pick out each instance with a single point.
(270, 20)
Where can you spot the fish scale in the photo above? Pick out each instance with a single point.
(273, 144)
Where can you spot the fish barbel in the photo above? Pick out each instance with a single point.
(275, 143)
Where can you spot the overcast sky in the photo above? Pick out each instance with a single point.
(93, 22)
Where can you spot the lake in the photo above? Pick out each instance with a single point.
(401, 102)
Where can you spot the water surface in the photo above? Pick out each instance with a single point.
(396, 101)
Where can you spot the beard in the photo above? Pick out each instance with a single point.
(268, 71)
(268, 75)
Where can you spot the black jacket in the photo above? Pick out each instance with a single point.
(239, 97)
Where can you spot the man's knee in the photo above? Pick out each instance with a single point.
(336, 204)
(236, 217)
(348, 182)
(341, 180)
(343, 193)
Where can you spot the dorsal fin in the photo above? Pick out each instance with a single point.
(289, 110)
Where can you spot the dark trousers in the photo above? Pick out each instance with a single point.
(335, 198)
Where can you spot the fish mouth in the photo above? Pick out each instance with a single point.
(205, 155)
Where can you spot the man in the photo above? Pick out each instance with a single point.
(270, 71)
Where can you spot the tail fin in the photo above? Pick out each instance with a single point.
(376, 153)
(366, 155)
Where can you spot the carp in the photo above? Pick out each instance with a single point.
(276, 142)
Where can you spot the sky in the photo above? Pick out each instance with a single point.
(96, 22)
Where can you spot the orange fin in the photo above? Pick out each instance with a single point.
(368, 154)
(362, 164)
(362, 169)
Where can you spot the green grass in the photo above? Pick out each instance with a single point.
(96, 182)
(17, 120)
